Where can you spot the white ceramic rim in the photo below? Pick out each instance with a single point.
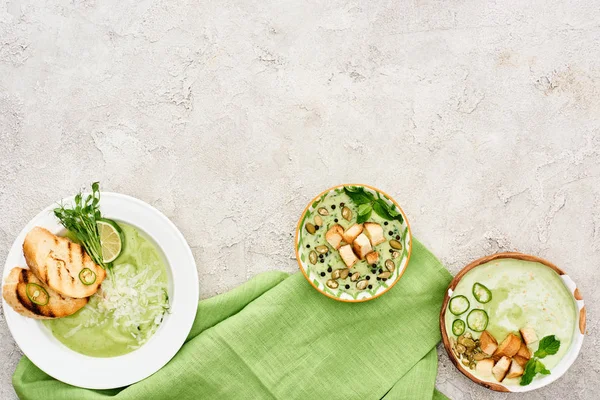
(76, 369)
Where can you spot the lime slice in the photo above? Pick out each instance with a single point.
(111, 239)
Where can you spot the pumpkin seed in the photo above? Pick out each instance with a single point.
(344, 273)
(332, 284)
(361, 285)
(322, 249)
(347, 213)
(470, 343)
(355, 276)
(384, 275)
(468, 335)
(318, 220)
(478, 356)
(310, 228)
(323, 211)
(472, 365)
(460, 348)
(312, 257)
(395, 254)
(389, 264)
(336, 274)
(396, 244)
(465, 362)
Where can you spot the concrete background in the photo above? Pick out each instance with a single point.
(480, 118)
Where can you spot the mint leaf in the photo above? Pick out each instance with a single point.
(364, 209)
(540, 368)
(364, 218)
(358, 197)
(529, 372)
(380, 208)
(548, 346)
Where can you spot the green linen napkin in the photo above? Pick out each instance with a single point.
(275, 337)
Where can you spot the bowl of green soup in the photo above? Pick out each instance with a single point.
(353, 243)
(512, 322)
(139, 317)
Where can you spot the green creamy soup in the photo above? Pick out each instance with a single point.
(524, 294)
(127, 309)
(327, 264)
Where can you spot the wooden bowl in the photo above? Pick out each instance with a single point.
(567, 359)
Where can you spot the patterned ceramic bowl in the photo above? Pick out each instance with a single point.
(524, 289)
(353, 243)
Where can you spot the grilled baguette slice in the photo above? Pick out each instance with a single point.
(15, 294)
(57, 262)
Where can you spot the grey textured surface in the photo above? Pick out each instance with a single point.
(480, 118)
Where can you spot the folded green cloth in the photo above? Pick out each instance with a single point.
(275, 337)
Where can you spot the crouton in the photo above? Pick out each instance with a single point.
(374, 232)
(522, 361)
(501, 368)
(524, 351)
(528, 335)
(348, 255)
(334, 236)
(509, 346)
(352, 233)
(362, 246)
(487, 343)
(515, 370)
(484, 367)
(372, 257)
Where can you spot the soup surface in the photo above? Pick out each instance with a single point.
(128, 308)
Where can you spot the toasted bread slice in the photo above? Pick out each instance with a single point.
(524, 352)
(57, 262)
(509, 346)
(334, 236)
(484, 367)
(501, 368)
(374, 232)
(352, 232)
(372, 257)
(515, 370)
(348, 255)
(487, 343)
(528, 335)
(14, 292)
(362, 246)
(522, 361)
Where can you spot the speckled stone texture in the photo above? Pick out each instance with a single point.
(481, 118)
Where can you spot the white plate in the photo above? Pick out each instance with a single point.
(66, 365)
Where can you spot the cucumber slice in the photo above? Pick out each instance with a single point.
(477, 320)
(459, 305)
(482, 294)
(458, 327)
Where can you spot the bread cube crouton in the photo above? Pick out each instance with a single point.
(501, 368)
(522, 361)
(515, 370)
(348, 255)
(524, 351)
(487, 343)
(372, 257)
(374, 232)
(484, 367)
(362, 246)
(509, 346)
(528, 335)
(334, 236)
(352, 233)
